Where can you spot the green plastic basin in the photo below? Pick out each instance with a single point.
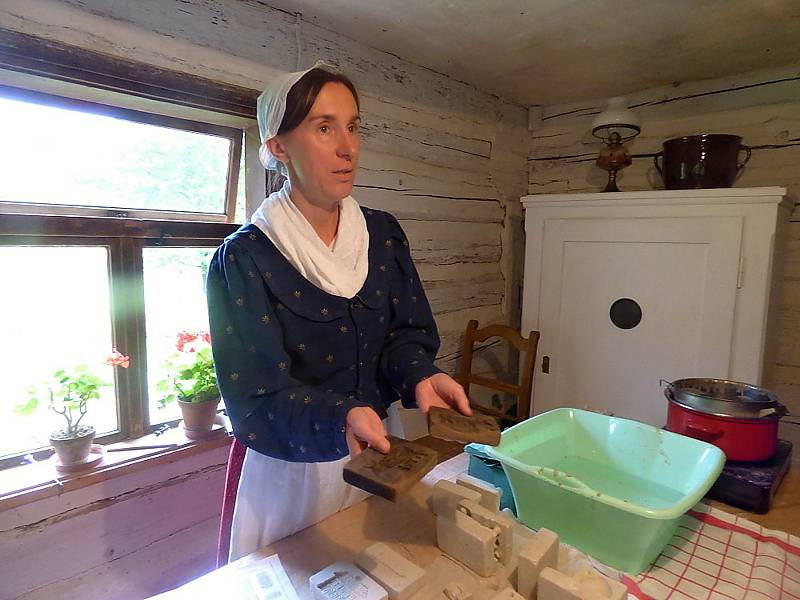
(613, 488)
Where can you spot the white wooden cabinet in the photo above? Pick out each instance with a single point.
(629, 288)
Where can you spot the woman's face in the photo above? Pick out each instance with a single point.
(322, 152)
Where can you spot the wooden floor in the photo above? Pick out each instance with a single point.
(784, 515)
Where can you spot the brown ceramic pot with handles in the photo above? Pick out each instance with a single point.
(710, 160)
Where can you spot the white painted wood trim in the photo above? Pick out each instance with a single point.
(109, 211)
(767, 195)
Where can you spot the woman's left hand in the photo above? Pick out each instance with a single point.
(443, 391)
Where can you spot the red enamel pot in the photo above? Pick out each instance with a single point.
(740, 419)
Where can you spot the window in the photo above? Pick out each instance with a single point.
(59, 306)
(68, 298)
(175, 302)
(118, 185)
(141, 165)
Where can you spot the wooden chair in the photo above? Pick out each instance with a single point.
(526, 347)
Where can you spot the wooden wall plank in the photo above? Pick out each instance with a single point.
(432, 151)
(416, 207)
(432, 272)
(161, 566)
(44, 552)
(779, 126)
(449, 296)
(767, 86)
(257, 32)
(431, 242)
(788, 351)
(445, 148)
(176, 466)
(765, 112)
(452, 325)
(791, 255)
(396, 172)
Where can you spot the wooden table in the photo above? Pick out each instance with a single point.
(409, 527)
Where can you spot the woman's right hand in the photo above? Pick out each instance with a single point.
(364, 428)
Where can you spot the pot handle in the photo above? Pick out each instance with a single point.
(661, 154)
(668, 390)
(703, 432)
(779, 411)
(740, 166)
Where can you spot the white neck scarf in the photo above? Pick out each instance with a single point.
(340, 269)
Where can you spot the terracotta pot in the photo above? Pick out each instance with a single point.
(73, 450)
(199, 416)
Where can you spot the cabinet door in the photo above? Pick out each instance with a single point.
(681, 273)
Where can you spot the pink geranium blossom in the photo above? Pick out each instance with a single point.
(117, 359)
(192, 341)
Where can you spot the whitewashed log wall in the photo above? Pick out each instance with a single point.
(762, 107)
(128, 537)
(448, 160)
(445, 158)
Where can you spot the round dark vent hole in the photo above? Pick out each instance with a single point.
(625, 313)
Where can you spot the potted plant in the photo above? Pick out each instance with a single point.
(68, 393)
(192, 381)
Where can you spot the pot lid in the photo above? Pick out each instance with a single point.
(723, 398)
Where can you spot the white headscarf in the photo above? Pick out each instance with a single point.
(271, 107)
(340, 269)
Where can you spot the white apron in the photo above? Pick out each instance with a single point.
(275, 497)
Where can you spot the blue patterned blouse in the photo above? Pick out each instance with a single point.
(292, 360)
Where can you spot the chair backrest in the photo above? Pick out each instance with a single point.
(526, 347)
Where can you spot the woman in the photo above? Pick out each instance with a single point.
(318, 318)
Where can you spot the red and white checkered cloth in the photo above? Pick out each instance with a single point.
(718, 556)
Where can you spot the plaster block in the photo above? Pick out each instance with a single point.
(398, 575)
(406, 423)
(490, 495)
(457, 591)
(538, 554)
(447, 495)
(507, 594)
(497, 523)
(344, 581)
(585, 585)
(556, 586)
(595, 586)
(469, 542)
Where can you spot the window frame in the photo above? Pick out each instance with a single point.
(124, 239)
(233, 135)
(43, 69)
(26, 53)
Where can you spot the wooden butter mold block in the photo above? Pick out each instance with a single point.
(448, 424)
(392, 474)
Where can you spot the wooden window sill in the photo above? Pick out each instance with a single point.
(28, 483)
